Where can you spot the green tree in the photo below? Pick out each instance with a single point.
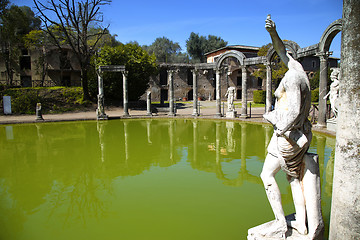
(138, 63)
(16, 22)
(197, 46)
(74, 18)
(278, 67)
(166, 51)
(315, 80)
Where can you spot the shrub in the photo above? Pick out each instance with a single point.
(23, 100)
(315, 95)
(259, 96)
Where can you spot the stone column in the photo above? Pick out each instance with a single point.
(125, 94)
(218, 94)
(171, 93)
(100, 112)
(268, 88)
(345, 212)
(195, 93)
(322, 89)
(148, 103)
(244, 92)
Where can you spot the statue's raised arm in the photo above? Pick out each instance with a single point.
(277, 42)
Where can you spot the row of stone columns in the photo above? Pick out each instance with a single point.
(195, 93)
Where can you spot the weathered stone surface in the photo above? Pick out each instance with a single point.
(345, 207)
(231, 114)
(331, 125)
(7, 104)
(39, 112)
(291, 234)
(287, 151)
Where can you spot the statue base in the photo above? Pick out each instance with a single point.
(291, 234)
(312, 194)
(231, 114)
(331, 124)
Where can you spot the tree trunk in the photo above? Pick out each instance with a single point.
(85, 85)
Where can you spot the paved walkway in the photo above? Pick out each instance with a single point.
(185, 110)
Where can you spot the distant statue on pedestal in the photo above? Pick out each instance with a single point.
(231, 95)
(287, 150)
(333, 94)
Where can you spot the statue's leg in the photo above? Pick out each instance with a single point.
(299, 203)
(270, 168)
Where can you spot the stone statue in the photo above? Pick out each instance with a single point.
(288, 147)
(230, 94)
(39, 112)
(334, 91)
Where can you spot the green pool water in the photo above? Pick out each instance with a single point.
(140, 179)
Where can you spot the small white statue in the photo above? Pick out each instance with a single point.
(334, 91)
(231, 95)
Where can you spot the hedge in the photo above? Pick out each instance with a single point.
(259, 96)
(315, 95)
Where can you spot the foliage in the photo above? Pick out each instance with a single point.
(259, 96)
(166, 51)
(53, 99)
(197, 46)
(278, 67)
(315, 80)
(15, 23)
(23, 101)
(74, 18)
(139, 64)
(315, 95)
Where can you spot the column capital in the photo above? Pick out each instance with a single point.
(195, 71)
(323, 55)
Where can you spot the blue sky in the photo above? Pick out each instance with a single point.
(239, 22)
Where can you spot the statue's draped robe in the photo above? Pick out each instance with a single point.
(287, 147)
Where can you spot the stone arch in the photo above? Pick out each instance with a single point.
(291, 45)
(236, 54)
(331, 31)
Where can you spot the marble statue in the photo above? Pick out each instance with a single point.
(333, 94)
(287, 150)
(230, 94)
(39, 112)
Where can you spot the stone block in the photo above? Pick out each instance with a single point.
(231, 114)
(7, 104)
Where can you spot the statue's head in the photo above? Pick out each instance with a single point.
(335, 74)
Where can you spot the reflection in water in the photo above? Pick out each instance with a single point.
(148, 130)
(195, 140)
(126, 141)
(230, 147)
(114, 178)
(9, 133)
(100, 129)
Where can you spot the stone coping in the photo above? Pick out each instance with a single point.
(207, 112)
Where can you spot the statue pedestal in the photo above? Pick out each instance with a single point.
(331, 124)
(231, 114)
(312, 194)
(291, 234)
